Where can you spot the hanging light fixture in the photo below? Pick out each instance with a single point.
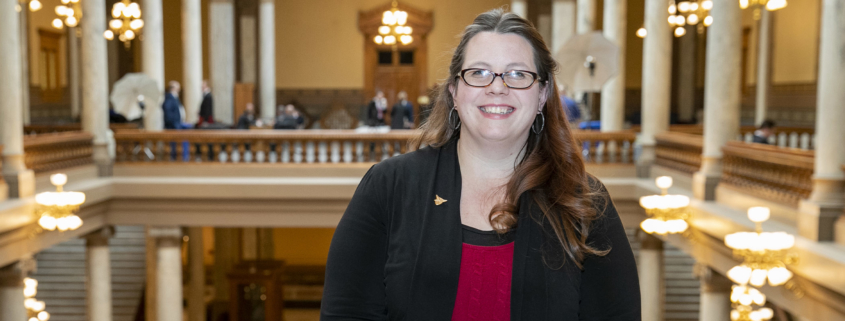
(126, 22)
(742, 299)
(764, 254)
(666, 213)
(690, 12)
(758, 5)
(393, 27)
(34, 308)
(35, 5)
(69, 12)
(56, 209)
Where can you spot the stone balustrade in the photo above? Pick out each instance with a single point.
(58, 151)
(38, 129)
(679, 151)
(782, 175)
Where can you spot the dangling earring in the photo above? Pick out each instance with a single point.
(542, 119)
(454, 124)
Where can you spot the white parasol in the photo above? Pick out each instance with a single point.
(130, 91)
(587, 61)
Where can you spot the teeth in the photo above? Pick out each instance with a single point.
(497, 110)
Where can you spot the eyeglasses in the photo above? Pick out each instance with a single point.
(515, 79)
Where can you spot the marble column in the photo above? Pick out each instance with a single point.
(20, 180)
(613, 92)
(715, 301)
(520, 8)
(196, 287)
(722, 93)
(656, 85)
(650, 269)
(764, 66)
(248, 44)
(222, 55)
(586, 16)
(225, 256)
(687, 75)
(24, 30)
(73, 72)
(152, 55)
(267, 57)
(249, 243)
(563, 23)
(11, 287)
(98, 265)
(95, 97)
(266, 244)
(826, 203)
(168, 273)
(192, 59)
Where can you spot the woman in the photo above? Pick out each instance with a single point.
(497, 219)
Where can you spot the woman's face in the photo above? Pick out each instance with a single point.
(497, 113)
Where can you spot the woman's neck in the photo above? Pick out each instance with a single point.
(487, 161)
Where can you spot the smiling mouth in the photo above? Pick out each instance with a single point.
(497, 110)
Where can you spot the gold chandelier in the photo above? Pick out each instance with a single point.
(126, 22)
(757, 5)
(742, 298)
(764, 253)
(69, 12)
(56, 209)
(393, 27)
(686, 12)
(33, 5)
(667, 213)
(34, 308)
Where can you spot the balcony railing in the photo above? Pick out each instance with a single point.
(57, 151)
(38, 129)
(783, 175)
(679, 151)
(312, 146)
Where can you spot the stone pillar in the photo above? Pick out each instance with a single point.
(95, 98)
(520, 8)
(192, 59)
(168, 273)
(24, 30)
(586, 19)
(687, 75)
(715, 302)
(722, 93)
(20, 180)
(563, 23)
(267, 56)
(222, 55)
(266, 245)
(825, 205)
(657, 77)
(249, 243)
(196, 288)
(11, 283)
(73, 72)
(225, 255)
(650, 268)
(150, 290)
(152, 55)
(764, 66)
(613, 92)
(98, 285)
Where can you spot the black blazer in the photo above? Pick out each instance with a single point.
(396, 255)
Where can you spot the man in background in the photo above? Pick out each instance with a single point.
(766, 130)
(207, 106)
(247, 119)
(172, 106)
(402, 114)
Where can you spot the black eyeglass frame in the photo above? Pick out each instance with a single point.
(499, 75)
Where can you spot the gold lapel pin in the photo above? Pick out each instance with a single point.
(439, 200)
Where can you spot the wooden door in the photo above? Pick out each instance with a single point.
(49, 66)
(399, 75)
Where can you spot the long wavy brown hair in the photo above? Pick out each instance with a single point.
(551, 167)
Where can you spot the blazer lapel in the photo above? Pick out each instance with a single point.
(438, 262)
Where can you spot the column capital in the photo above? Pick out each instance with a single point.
(711, 280)
(13, 274)
(166, 235)
(650, 242)
(99, 237)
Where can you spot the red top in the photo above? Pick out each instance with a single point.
(484, 285)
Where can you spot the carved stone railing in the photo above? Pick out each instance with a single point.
(793, 137)
(70, 127)
(782, 175)
(313, 146)
(679, 151)
(57, 151)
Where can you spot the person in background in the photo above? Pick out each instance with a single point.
(570, 107)
(247, 119)
(289, 118)
(207, 105)
(172, 106)
(766, 130)
(376, 109)
(402, 113)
